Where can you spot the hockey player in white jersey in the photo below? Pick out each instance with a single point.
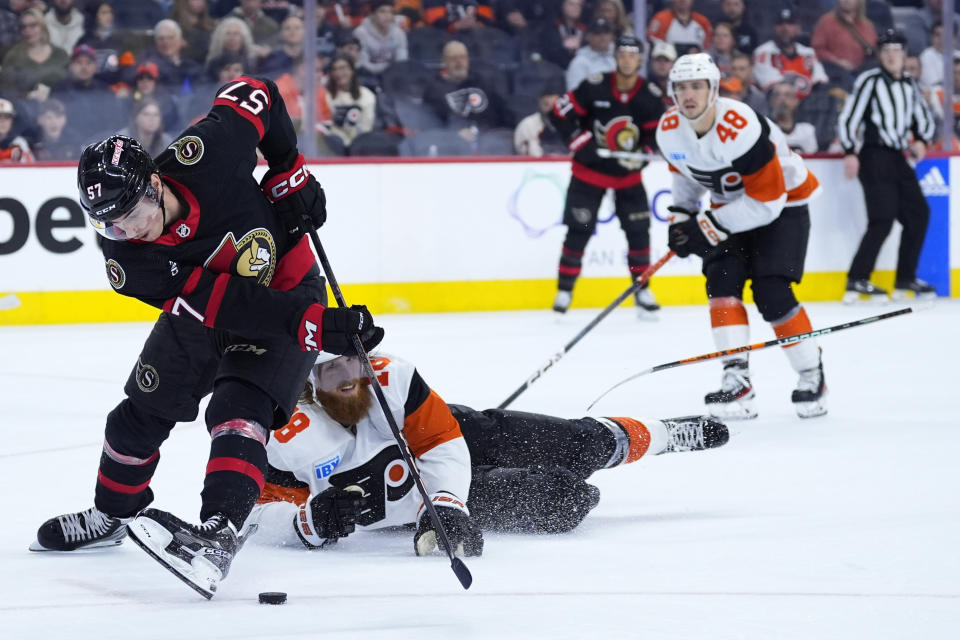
(755, 226)
(336, 467)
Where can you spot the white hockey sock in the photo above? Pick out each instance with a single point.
(802, 355)
(731, 328)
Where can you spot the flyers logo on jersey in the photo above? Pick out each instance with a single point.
(620, 134)
(188, 150)
(253, 256)
(723, 181)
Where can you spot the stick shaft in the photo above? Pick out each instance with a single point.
(459, 568)
(641, 280)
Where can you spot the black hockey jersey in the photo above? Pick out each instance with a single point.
(596, 115)
(228, 261)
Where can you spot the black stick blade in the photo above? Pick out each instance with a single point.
(463, 574)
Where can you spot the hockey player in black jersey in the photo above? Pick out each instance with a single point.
(609, 114)
(226, 260)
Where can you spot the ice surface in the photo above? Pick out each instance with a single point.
(839, 527)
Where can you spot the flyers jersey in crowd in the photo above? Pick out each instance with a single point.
(744, 161)
(313, 452)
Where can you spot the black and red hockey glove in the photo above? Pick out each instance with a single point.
(297, 197)
(331, 329)
(696, 233)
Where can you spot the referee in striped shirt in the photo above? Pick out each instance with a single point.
(884, 109)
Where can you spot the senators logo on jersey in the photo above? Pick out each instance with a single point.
(620, 134)
(253, 256)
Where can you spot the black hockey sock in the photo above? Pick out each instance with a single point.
(637, 261)
(569, 269)
(123, 482)
(234, 477)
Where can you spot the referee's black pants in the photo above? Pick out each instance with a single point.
(892, 192)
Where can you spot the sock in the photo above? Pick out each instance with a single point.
(635, 439)
(731, 327)
(804, 354)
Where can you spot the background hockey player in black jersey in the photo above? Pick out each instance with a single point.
(225, 258)
(611, 112)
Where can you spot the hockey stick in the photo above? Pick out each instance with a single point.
(459, 567)
(641, 280)
(627, 155)
(755, 347)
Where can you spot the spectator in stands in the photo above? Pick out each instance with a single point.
(613, 12)
(91, 106)
(346, 15)
(733, 12)
(10, 23)
(741, 67)
(560, 39)
(596, 57)
(177, 72)
(801, 136)
(382, 41)
(681, 26)
(233, 36)
(520, 17)
(13, 147)
(65, 24)
(146, 125)
(845, 37)
(933, 13)
(56, 140)
(326, 31)
(103, 38)
(290, 87)
(409, 14)
(348, 45)
(535, 135)
(352, 106)
(931, 58)
(220, 71)
(263, 27)
(195, 22)
(783, 59)
(458, 15)
(145, 85)
(662, 58)
(723, 48)
(282, 57)
(464, 101)
(32, 66)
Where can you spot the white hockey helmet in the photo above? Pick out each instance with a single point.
(695, 66)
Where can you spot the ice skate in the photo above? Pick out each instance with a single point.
(647, 306)
(88, 529)
(695, 433)
(921, 290)
(562, 302)
(734, 400)
(810, 396)
(200, 556)
(863, 291)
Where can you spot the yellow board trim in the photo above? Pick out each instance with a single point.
(70, 307)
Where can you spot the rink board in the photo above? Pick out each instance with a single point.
(426, 236)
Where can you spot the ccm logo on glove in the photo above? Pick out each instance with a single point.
(283, 184)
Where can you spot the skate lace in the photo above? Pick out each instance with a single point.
(686, 436)
(95, 524)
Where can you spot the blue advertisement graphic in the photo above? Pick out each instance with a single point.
(934, 266)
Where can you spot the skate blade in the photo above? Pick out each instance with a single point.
(813, 409)
(36, 546)
(852, 297)
(738, 410)
(155, 539)
(904, 296)
(648, 315)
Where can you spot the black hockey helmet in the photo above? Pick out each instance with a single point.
(891, 36)
(629, 42)
(113, 177)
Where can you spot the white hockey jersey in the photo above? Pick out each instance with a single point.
(803, 70)
(313, 452)
(744, 161)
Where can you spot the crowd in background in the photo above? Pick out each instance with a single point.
(427, 77)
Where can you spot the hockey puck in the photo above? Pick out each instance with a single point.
(273, 597)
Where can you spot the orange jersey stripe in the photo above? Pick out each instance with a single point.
(799, 323)
(430, 425)
(727, 311)
(805, 190)
(277, 493)
(766, 184)
(433, 14)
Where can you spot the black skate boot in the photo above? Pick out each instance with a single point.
(921, 290)
(810, 396)
(863, 291)
(647, 306)
(200, 556)
(88, 529)
(734, 400)
(562, 302)
(695, 433)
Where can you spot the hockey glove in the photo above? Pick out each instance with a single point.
(329, 515)
(331, 329)
(297, 197)
(463, 532)
(693, 233)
